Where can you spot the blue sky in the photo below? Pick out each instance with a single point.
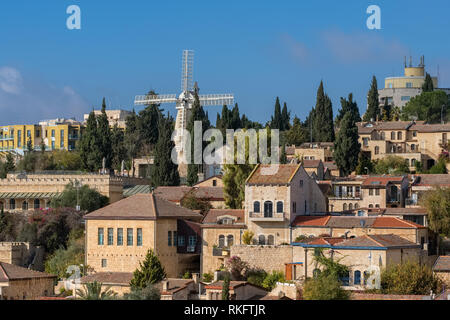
(255, 49)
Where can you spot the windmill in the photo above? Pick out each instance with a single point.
(185, 100)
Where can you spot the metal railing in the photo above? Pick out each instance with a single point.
(262, 215)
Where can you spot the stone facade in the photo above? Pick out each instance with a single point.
(16, 253)
(27, 289)
(268, 258)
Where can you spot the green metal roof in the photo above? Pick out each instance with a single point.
(144, 188)
(29, 195)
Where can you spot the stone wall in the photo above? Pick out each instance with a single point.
(268, 258)
(28, 289)
(16, 253)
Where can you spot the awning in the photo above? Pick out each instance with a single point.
(29, 195)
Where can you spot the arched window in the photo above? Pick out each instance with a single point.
(344, 207)
(345, 279)
(392, 135)
(350, 206)
(399, 135)
(270, 240)
(37, 204)
(377, 150)
(256, 207)
(357, 277)
(370, 206)
(221, 241)
(413, 162)
(261, 239)
(230, 240)
(25, 205)
(12, 204)
(279, 206)
(268, 209)
(382, 135)
(356, 206)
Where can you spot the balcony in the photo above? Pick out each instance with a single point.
(266, 217)
(346, 196)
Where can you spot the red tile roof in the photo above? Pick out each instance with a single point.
(213, 214)
(283, 175)
(110, 278)
(381, 181)
(326, 241)
(310, 221)
(378, 240)
(311, 163)
(393, 222)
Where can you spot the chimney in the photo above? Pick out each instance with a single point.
(165, 285)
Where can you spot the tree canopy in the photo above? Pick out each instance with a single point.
(428, 106)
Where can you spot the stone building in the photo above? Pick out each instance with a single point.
(274, 196)
(315, 169)
(365, 256)
(214, 181)
(176, 194)
(421, 183)
(17, 253)
(314, 151)
(115, 117)
(412, 140)
(17, 283)
(239, 290)
(21, 192)
(221, 229)
(119, 236)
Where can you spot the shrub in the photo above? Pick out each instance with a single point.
(236, 267)
(207, 277)
(271, 280)
(150, 292)
(256, 276)
(150, 271)
(187, 275)
(324, 287)
(247, 237)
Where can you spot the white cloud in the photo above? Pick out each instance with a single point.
(26, 99)
(297, 49)
(10, 80)
(362, 46)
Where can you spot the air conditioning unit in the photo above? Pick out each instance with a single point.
(191, 249)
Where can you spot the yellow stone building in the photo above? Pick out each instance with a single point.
(119, 236)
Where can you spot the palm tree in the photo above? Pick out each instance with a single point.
(93, 291)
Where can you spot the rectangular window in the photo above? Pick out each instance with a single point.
(28, 133)
(370, 192)
(169, 238)
(120, 237)
(129, 237)
(175, 238)
(377, 192)
(62, 139)
(294, 207)
(405, 98)
(301, 183)
(19, 138)
(110, 236)
(192, 241)
(100, 236)
(104, 263)
(181, 242)
(139, 237)
(409, 84)
(53, 145)
(53, 133)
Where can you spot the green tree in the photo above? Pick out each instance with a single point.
(247, 237)
(90, 151)
(409, 278)
(95, 291)
(428, 106)
(197, 114)
(164, 172)
(428, 85)
(150, 271)
(323, 124)
(276, 122)
(226, 288)
(190, 201)
(285, 118)
(437, 203)
(373, 104)
(271, 279)
(88, 199)
(363, 163)
(324, 288)
(297, 134)
(440, 167)
(148, 124)
(348, 106)
(392, 165)
(346, 146)
(104, 136)
(150, 292)
(386, 112)
(132, 138)
(119, 152)
(283, 156)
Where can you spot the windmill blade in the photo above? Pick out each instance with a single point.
(216, 99)
(155, 99)
(187, 70)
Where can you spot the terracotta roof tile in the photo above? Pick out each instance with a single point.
(213, 214)
(174, 194)
(393, 222)
(119, 278)
(311, 163)
(381, 181)
(309, 221)
(432, 180)
(379, 240)
(142, 207)
(283, 175)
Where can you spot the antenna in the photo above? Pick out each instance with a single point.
(187, 70)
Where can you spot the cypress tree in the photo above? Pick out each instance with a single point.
(132, 138)
(226, 288)
(348, 105)
(104, 136)
(276, 122)
(285, 118)
(323, 125)
(428, 85)
(197, 114)
(119, 151)
(283, 156)
(235, 118)
(148, 123)
(164, 172)
(373, 105)
(346, 147)
(90, 152)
